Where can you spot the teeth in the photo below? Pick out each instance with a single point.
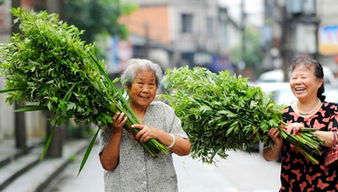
(146, 97)
(300, 89)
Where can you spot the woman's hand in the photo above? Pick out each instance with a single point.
(119, 119)
(326, 136)
(271, 153)
(294, 128)
(275, 136)
(109, 156)
(181, 145)
(145, 133)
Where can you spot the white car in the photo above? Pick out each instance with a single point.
(282, 94)
(278, 75)
(331, 93)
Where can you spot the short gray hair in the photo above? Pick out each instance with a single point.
(135, 66)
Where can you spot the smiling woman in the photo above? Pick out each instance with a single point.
(310, 110)
(141, 79)
(129, 167)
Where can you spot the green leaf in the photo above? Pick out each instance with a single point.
(89, 149)
(30, 108)
(69, 92)
(49, 141)
(58, 70)
(9, 90)
(220, 112)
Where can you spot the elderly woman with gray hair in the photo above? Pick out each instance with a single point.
(128, 166)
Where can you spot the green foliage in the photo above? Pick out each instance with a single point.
(98, 16)
(221, 112)
(252, 55)
(79, 130)
(47, 64)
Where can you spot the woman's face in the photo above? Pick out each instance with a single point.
(304, 84)
(143, 89)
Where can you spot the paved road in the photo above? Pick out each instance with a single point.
(241, 172)
(90, 179)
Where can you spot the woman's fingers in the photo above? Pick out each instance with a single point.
(294, 128)
(137, 126)
(119, 119)
(276, 133)
(144, 138)
(141, 136)
(144, 134)
(115, 116)
(124, 121)
(140, 133)
(275, 136)
(273, 132)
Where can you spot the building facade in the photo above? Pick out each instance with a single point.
(304, 27)
(177, 33)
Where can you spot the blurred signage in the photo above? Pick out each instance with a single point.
(5, 17)
(328, 40)
(220, 63)
(121, 52)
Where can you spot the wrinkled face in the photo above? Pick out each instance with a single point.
(143, 89)
(304, 84)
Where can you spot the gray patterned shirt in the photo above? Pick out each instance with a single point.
(137, 171)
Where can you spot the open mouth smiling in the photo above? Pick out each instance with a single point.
(144, 97)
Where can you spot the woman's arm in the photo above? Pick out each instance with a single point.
(271, 153)
(181, 146)
(327, 137)
(109, 157)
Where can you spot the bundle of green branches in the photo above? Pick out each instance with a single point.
(46, 64)
(223, 112)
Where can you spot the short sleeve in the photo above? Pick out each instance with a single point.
(104, 137)
(176, 128)
(174, 122)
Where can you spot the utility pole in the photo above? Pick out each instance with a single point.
(55, 149)
(55, 6)
(19, 117)
(147, 40)
(285, 53)
(243, 21)
(316, 24)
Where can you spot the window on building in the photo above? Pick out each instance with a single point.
(210, 26)
(186, 23)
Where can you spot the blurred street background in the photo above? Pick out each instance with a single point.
(240, 172)
(252, 38)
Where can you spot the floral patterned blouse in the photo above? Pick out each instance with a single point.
(298, 173)
(137, 171)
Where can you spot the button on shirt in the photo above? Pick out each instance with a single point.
(137, 171)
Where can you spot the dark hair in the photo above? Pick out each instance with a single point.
(318, 71)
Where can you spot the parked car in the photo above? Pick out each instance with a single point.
(331, 93)
(278, 76)
(282, 94)
(279, 91)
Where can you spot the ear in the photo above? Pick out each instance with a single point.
(321, 82)
(127, 88)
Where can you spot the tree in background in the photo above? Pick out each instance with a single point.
(252, 54)
(98, 17)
